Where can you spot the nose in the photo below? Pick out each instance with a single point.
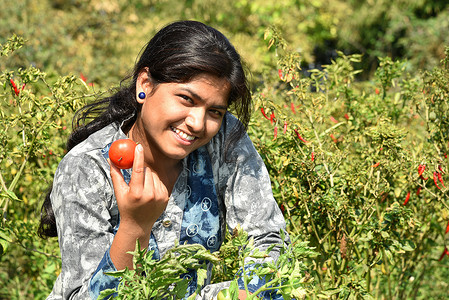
(196, 119)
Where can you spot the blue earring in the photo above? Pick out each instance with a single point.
(142, 95)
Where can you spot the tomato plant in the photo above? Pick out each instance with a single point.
(121, 153)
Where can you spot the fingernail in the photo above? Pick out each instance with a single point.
(139, 147)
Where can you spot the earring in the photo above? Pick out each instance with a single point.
(142, 95)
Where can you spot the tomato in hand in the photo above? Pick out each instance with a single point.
(121, 153)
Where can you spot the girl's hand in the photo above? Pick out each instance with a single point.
(142, 201)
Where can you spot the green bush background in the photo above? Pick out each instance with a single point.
(387, 106)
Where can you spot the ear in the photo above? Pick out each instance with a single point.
(143, 84)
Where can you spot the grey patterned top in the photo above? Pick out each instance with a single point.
(210, 193)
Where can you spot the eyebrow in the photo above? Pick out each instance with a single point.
(198, 97)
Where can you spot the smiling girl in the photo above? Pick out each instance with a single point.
(195, 170)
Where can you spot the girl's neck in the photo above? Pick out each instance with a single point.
(167, 169)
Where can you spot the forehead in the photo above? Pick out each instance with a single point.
(208, 88)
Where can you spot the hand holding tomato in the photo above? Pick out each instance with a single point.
(121, 153)
(142, 201)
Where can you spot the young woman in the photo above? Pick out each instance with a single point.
(195, 169)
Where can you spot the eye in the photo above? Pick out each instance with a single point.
(186, 98)
(216, 113)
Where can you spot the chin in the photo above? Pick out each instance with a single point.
(179, 155)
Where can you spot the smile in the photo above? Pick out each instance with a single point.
(182, 134)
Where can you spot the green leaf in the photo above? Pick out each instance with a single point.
(331, 292)
(11, 195)
(389, 256)
(299, 293)
(408, 246)
(234, 289)
(106, 293)
(5, 240)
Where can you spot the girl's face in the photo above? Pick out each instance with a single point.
(178, 118)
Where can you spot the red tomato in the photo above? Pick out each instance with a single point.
(121, 153)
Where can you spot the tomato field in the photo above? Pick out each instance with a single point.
(351, 116)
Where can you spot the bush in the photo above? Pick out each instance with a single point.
(35, 115)
(359, 170)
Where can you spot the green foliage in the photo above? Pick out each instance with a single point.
(35, 114)
(436, 89)
(15, 42)
(289, 275)
(101, 38)
(345, 171)
(161, 278)
(414, 30)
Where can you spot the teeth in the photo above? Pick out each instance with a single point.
(183, 134)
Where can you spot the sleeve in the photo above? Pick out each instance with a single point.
(81, 199)
(248, 198)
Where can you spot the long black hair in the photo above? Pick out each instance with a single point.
(177, 53)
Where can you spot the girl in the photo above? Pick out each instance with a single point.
(195, 169)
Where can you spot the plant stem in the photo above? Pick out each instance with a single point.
(368, 273)
(331, 176)
(289, 214)
(3, 185)
(387, 270)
